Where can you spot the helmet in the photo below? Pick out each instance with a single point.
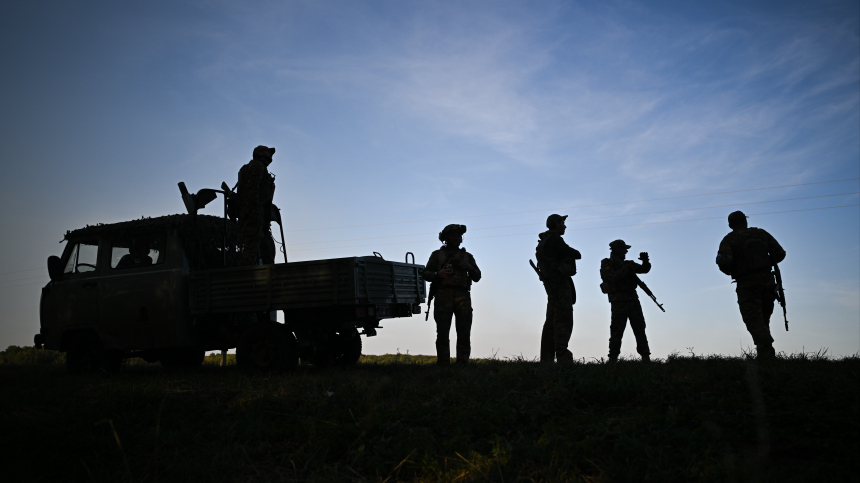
(460, 229)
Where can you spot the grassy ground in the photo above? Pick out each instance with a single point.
(400, 418)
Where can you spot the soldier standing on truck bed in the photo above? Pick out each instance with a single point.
(556, 265)
(747, 255)
(619, 283)
(256, 188)
(451, 271)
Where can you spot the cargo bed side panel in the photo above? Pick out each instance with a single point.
(302, 285)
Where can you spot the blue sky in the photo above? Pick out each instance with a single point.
(392, 119)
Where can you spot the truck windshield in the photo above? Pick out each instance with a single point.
(83, 257)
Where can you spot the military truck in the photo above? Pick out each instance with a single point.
(168, 289)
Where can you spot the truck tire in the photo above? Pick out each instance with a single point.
(84, 354)
(342, 348)
(350, 345)
(182, 358)
(267, 347)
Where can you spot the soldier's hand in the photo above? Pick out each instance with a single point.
(465, 265)
(445, 273)
(643, 256)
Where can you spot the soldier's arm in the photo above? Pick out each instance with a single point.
(474, 271)
(429, 273)
(724, 256)
(776, 251)
(645, 267)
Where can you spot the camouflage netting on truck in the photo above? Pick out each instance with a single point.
(202, 236)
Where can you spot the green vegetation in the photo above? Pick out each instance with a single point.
(397, 417)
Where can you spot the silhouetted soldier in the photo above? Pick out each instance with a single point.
(138, 254)
(747, 254)
(619, 283)
(256, 189)
(451, 271)
(556, 265)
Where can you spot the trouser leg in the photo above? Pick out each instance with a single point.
(617, 324)
(755, 301)
(463, 314)
(547, 337)
(442, 314)
(267, 247)
(562, 322)
(252, 224)
(637, 324)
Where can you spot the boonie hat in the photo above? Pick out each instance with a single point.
(618, 244)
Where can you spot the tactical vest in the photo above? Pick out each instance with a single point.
(611, 281)
(459, 278)
(266, 191)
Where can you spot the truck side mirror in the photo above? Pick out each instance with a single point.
(55, 267)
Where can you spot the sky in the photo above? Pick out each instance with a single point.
(644, 121)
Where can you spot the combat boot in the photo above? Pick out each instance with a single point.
(765, 352)
(646, 358)
(612, 359)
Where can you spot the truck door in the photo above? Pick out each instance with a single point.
(72, 301)
(140, 293)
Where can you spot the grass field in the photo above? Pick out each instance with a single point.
(400, 418)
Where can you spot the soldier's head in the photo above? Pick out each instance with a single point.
(556, 223)
(452, 235)
(737, 219)
(618, 247)
(264, 154)
(139, 246)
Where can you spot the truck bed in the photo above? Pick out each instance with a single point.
(304, 285)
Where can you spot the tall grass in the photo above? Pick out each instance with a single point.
(401, 418)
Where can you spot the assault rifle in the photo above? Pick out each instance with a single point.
(431, 294)
(537, 270)
(648, 292)
(780, 293)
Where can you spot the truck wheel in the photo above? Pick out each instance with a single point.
(266, 347)
(350, 348)
(182, 358)
(83, 354)
(341, 348)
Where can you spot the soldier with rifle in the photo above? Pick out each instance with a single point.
(556, 267)
(619, 283)
(256, 188)
(451, 271)
(747, 254)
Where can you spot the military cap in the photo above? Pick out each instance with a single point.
(736, 218)
(552, 220)
(460, 229)
(618, 245)
(263, 152)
